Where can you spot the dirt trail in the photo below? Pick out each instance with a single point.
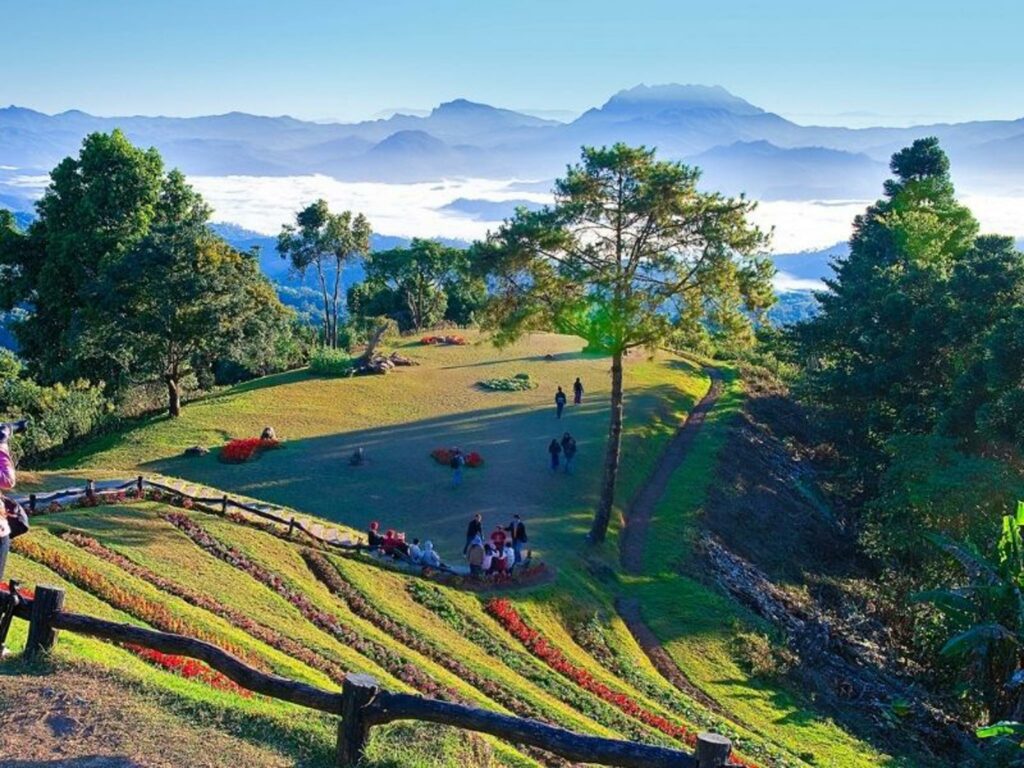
(638, 518)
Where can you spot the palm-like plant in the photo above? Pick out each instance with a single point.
(987, 621)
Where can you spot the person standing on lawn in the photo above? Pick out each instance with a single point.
(577, 391)
(560, 400)
(554, 449)
(474, 529)
(458, 461)
(568, 451)
(517, 531)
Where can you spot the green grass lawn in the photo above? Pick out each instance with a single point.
(398, 419)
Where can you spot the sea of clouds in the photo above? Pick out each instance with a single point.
(263, 203)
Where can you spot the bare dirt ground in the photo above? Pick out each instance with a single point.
(87, 719)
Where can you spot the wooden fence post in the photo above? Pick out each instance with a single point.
(224, 505)
(712, 750)
(356, 692)
(90, 489)
(31, 503)
(291, 527)
(48, 601)
(138, 485)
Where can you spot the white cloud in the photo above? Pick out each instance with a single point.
(787, 283)
(263, 204)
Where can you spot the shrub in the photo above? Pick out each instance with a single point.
(331, 362)
(61, 414)
(518, 383)
(246, 449)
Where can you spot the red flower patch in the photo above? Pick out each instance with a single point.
(443, 456)
(452, 339)
(539, 646)
(246, 449)
(188, 668)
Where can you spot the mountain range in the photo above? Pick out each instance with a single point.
(740, 147)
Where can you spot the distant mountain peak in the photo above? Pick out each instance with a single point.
(677, 97)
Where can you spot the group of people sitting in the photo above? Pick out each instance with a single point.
(393, 544)
(497, 556)
(501, 553)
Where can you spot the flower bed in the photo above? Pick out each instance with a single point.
(538, 645)
(329, 576)
(147, 611)
(188, 668)
(518, 383)
(394, 663)
(452, 339)
(246, 449)
(443, 456)
(435, 601)
(270, 636)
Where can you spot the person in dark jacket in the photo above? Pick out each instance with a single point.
(560, 400)
(568, 451)
(577, 391)
(474, 529)
(554, 449)
(373, 537)
(517, 531)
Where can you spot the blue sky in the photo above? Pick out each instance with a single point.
(854, 63)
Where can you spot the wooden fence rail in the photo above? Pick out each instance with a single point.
(361, 704)
(37, 503)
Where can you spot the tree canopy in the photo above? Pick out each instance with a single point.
(124, 280)
(630, 253)
(325, 242)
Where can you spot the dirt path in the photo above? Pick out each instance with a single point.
(634, 532)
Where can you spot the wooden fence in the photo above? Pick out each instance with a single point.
(362, 704)
(37, 504)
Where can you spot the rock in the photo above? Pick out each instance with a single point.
(197, 450)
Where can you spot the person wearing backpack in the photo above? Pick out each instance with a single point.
(560, 400)
(13, 520)
(568, 451)
(554, 449)
(457, 462)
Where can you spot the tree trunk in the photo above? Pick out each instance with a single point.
(603, 514)
(173, 397)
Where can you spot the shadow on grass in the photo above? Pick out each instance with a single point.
(402, 487)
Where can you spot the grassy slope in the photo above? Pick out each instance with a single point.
(398, 419)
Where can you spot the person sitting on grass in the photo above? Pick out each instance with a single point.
(268, 433)
(487, 566)
(415, 553)
(475, 556)
(430, 558)
(498, 537)
(499, 564)
(509, 556)
(373, 537)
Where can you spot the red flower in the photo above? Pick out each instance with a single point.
(246, 448)
(510, 619)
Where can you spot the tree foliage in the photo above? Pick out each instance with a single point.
(325, 242)
(630, 252)
(124, 281)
